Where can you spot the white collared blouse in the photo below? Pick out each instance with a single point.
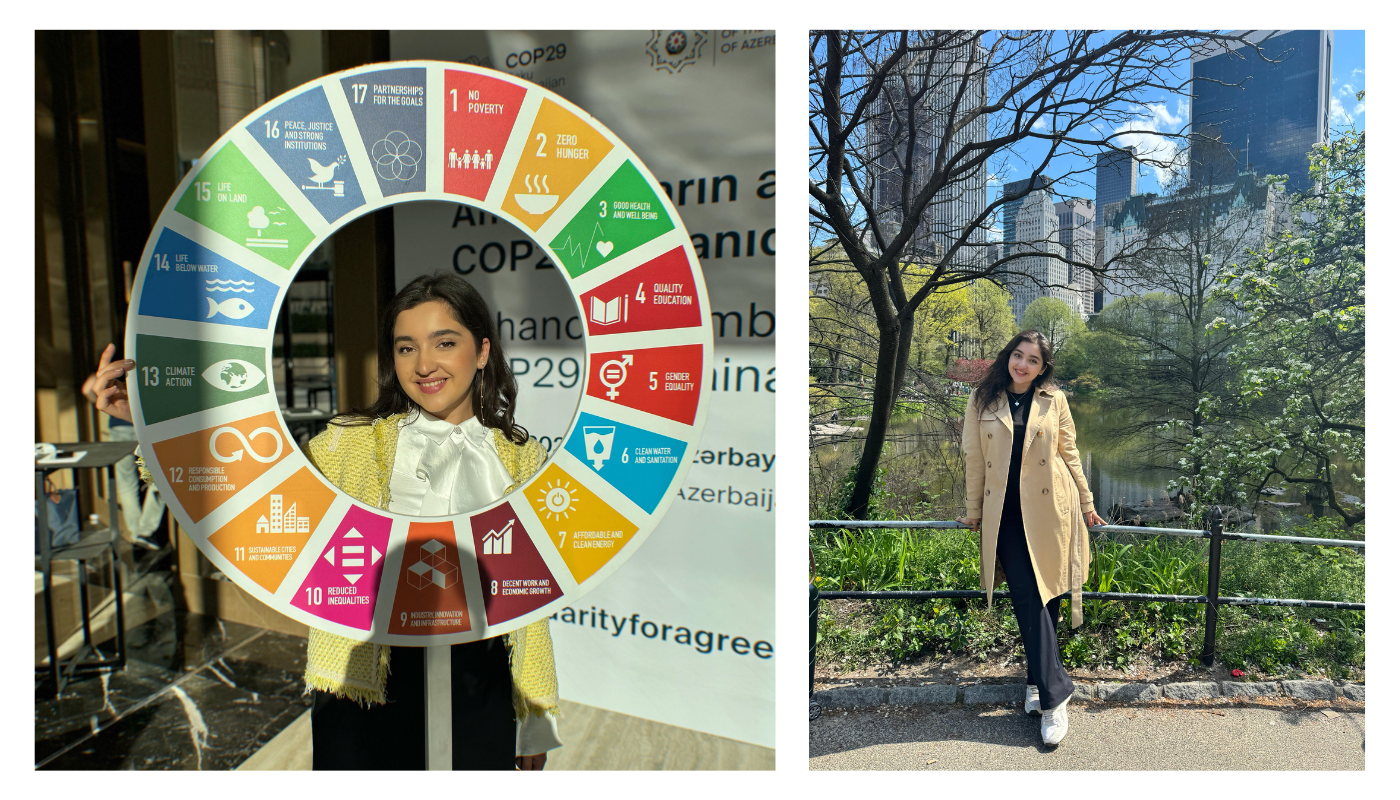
(442, 469)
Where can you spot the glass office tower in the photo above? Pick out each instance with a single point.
(1115, 178)
(1269, 115)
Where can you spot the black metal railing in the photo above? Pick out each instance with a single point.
(1212, 599)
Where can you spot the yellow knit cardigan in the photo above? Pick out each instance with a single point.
(359, 460)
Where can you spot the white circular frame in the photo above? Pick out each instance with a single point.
(161, 326)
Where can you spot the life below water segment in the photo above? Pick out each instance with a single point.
(228, 244)
(191, 282)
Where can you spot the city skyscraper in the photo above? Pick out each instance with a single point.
(1268, 115)
(1115, 178)
(1042, 275)
(956, 79)
(1011, 210)
(1076, 218)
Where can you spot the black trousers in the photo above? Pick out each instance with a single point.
(1038, 622)
(347, 735)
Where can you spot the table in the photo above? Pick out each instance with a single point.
(98, 455)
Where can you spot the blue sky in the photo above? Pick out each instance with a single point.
(1168, 112)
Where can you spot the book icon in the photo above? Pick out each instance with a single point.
(607, 313)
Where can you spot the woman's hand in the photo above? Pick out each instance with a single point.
(975, 522)
(1092, 518)
(530, 763)
(109, 385)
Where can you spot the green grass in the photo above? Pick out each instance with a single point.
(1257, 639)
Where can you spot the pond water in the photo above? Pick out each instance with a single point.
(1117, 471)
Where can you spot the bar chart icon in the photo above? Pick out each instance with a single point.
(497, 543)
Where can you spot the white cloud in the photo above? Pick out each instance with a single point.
(1338, 107)
(1144, 133)
(1039, 124)
(1358, 71)
(1339, 113)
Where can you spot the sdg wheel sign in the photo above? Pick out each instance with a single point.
(216, 270)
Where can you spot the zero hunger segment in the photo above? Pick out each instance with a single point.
(225, 249)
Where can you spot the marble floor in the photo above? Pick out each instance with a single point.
(197, 692)
(200, 693)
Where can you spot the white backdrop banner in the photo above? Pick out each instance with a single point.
(683, 632)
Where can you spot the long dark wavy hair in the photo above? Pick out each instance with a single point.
(496, 408)
(998, 376)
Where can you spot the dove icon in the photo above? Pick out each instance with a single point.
(320, 174)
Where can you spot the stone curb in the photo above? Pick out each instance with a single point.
(994, 693)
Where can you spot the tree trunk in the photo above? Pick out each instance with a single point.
(895, 343)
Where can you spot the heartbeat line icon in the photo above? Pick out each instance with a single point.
(569, 249)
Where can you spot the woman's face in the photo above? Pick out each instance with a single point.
(436, 358)
(1025, 365)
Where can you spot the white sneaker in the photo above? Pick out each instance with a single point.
(1032, 699)
(1054, 725)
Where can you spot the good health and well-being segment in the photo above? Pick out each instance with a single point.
(233, 235)
(621, 216)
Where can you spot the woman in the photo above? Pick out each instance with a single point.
(1018, 439)
(440, 439)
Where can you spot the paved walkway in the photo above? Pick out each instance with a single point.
(932, 737)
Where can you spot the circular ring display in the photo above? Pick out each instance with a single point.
(216, 270)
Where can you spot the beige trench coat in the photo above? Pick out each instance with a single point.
(1054, 493)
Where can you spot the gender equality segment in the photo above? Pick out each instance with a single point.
(215, 272)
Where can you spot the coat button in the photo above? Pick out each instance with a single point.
(989, 492)
(1042, 462)
(1039, 433)
(1045, 491)
(989, 436)
(989, 463)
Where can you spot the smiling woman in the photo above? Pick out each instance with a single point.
(439, 439)
(1018, 424)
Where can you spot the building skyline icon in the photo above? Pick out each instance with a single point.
(282, 522)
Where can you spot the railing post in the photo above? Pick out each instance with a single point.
(1217, 529)
(811, 639)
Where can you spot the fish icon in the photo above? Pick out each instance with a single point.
(233, 308)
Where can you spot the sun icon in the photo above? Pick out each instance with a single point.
(557, 499)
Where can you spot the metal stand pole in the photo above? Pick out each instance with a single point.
(1217, 527)
(437, 705)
